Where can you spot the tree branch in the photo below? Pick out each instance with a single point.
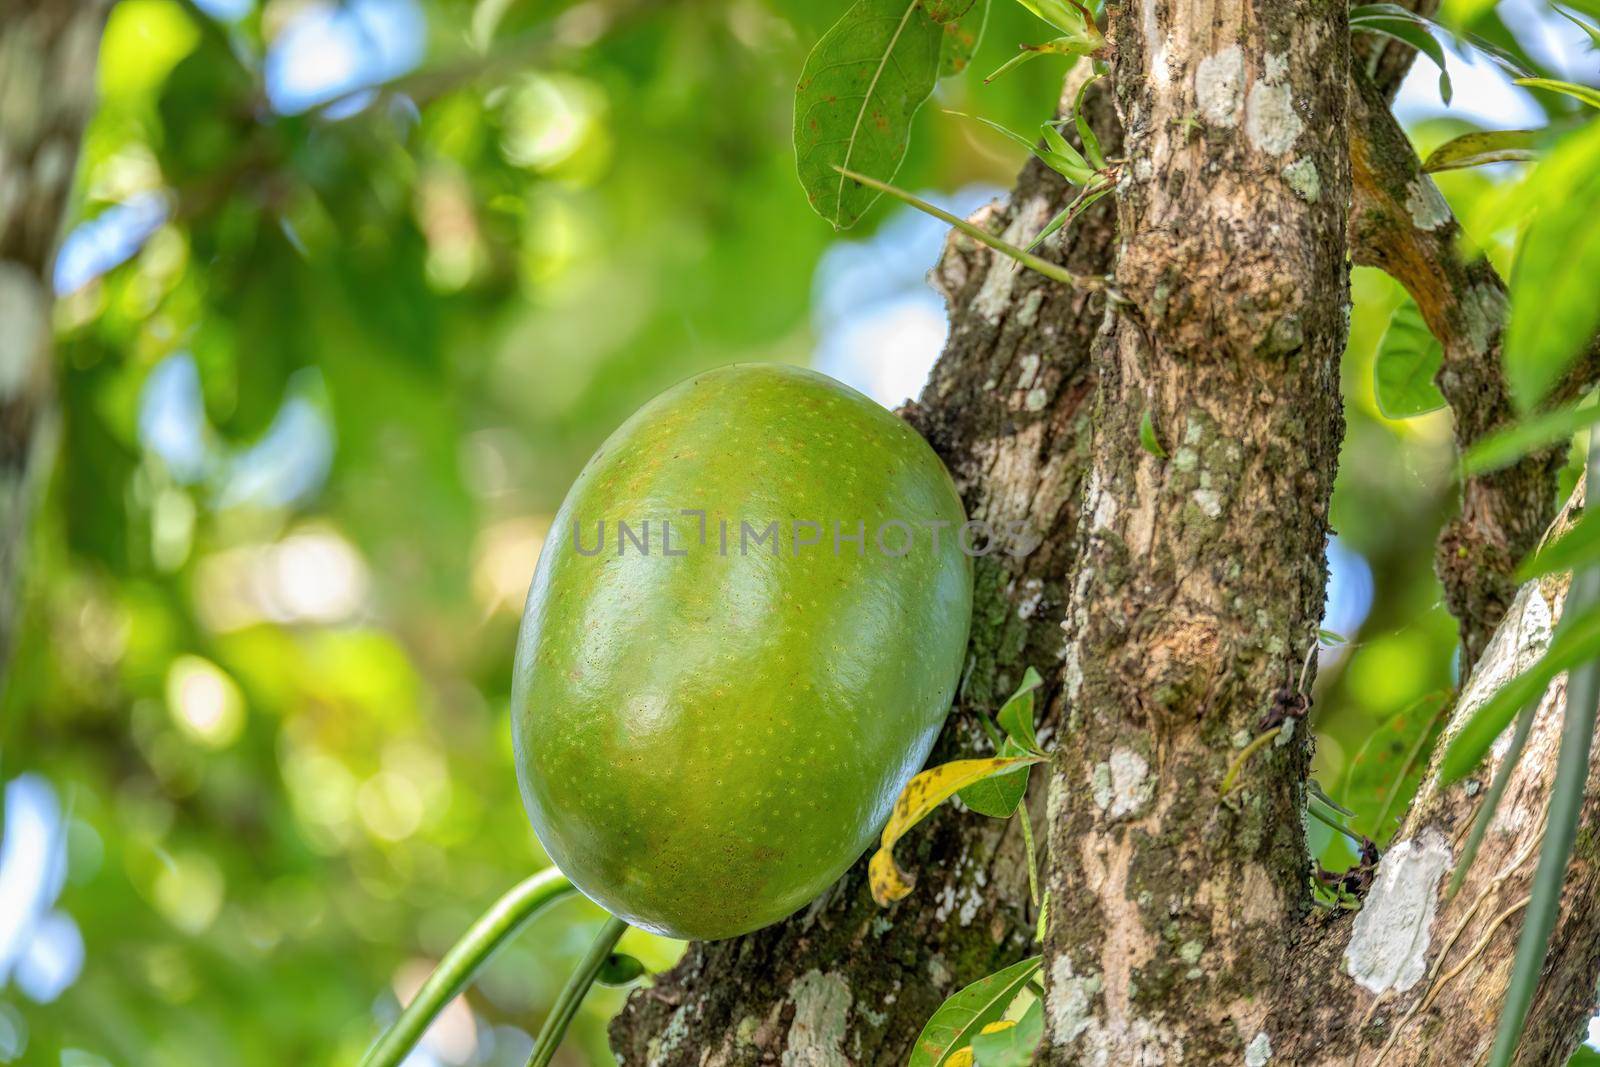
(1416, 978)
(47, 64)
(1401, 224)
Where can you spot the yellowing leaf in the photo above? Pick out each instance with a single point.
(920, 796)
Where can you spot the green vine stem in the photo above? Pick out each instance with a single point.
(999, 244)
(493, 929)
(577, 987)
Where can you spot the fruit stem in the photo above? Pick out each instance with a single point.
(494, 928)
(567, 1004)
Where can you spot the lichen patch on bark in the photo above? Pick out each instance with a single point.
(1388, 946)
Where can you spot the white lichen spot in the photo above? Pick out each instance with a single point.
(1303, 178)
(1258, 1051)
(938, 971)
(1032, 597)
(1219, 86)
(821, 1017)
(1284, 734)
(1208, 501)
(1143, 169)
(1028, 313)
(1100, 785)
(1242, 737)
(1190, 951)
(1275, 67)
(1102, 505)
(1036, 399)
(1155, 43)
(1069, 1001)
(1270, 121)
(1388, 946)
(671, 1036)
(1122, 784)
(1028, 366)
(971, 901)
(1428, 208)
(994, 295)
(1185, 459)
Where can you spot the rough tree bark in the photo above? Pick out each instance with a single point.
(47, 88)
(1173, 598)
(1199, 591)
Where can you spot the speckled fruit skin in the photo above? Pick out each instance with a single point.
(705, 742)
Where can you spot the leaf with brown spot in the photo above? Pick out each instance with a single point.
(920, 796)
(861, 87)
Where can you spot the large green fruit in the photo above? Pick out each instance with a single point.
(706, 740)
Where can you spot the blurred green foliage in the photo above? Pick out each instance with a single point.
(312, 431)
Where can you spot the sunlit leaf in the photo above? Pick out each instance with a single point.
(1010, 1044)
(1554, 313)
(1527, 435)
(1487, 146)
(860, 89)
(920, 796)
(1408, 358)
(1583, 93)
(964, 1015)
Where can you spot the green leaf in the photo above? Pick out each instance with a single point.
(942, 11)
(1554, 313)
(860, 89)
(1579, 545)
(1016, 714)
(1587, 94)
(1408, 358)
(1576, 640)
(1486, 146)
(998, 796)
(1396, 23)
(1566, 804)
(1147, 436)
(1013, 1045)
(619, 969)
(1586, 27)
(960, 1018)
(1070, 18)
(961, 39)
(1584, 1057)
(1086, 134)
(1530, 434)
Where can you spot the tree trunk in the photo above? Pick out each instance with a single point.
(47, 89)
(1173, 601)
(1200, 588)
